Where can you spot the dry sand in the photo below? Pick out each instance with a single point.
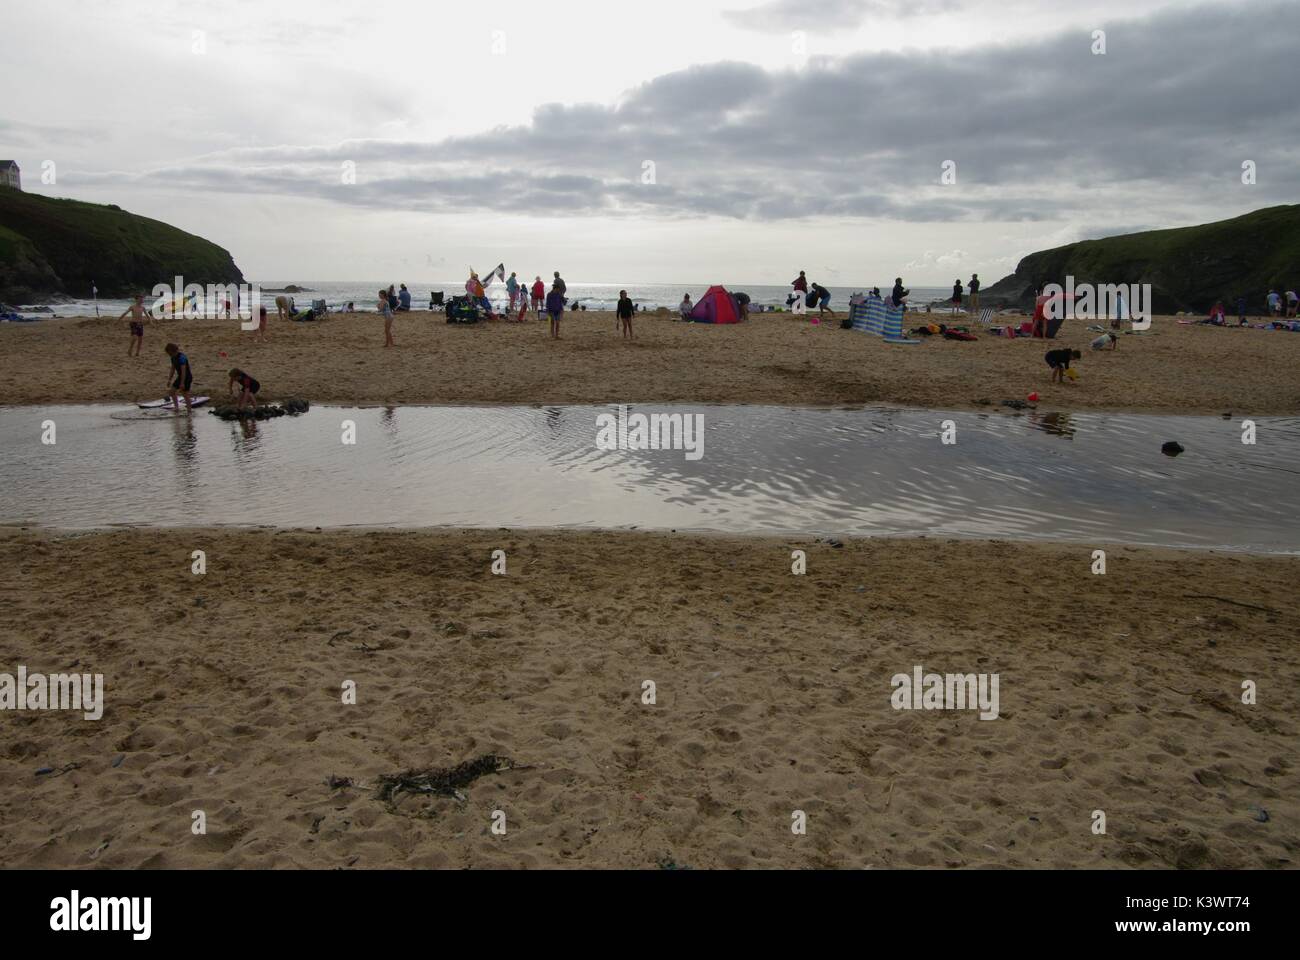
(1118, 693)
(771, 359)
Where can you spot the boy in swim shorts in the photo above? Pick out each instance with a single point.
(248, 388)
(184, 376)
(1059, 361)
(137, 312)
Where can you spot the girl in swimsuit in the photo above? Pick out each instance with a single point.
(248, 388)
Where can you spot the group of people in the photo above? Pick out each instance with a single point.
(180, 381)
(813, 294)
(1280, 304)
(974, 287)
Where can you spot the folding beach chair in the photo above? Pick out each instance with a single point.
(986, 316)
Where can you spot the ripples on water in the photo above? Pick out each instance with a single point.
(1092, 478)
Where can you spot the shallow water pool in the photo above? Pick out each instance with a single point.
(764, 470)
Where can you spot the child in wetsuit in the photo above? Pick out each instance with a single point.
(624, 313)
(1059, 361)
(248, 388)
(184, 375)
(137, 312)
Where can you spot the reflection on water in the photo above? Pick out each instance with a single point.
(1079, 477)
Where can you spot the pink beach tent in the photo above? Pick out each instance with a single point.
(716, 306)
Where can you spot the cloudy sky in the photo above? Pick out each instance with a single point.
(676, 140)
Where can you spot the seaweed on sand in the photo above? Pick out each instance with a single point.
(441, 781)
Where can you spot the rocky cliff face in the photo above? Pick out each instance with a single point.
(1189, 268)
(51, 246)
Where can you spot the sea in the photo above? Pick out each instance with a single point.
(594, 296)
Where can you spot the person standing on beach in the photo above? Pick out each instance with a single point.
(555, 307)
(539, 295)
(560, 284)
(974, 286)
(261, 324)
(512, 290)
(386, 310)
(137, 312)
(956, 296)
(899, 295)
(800, 284)
(624, 313)
(184, 375)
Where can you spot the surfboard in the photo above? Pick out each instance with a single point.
(167, 402)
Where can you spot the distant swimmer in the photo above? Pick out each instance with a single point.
(184, 376)
(137, 312)
(248, 387)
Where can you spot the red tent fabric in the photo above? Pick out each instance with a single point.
(716, 306)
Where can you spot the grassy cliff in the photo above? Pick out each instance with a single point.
(52, 246)
(1189, 268)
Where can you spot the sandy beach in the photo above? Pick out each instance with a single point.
(1119, 692)
(773, 359)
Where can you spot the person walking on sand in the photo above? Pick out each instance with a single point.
(261, 324)
(539, 296)
(974, 286)
(136, 324)
(184, 376)
(623, 313)
(248, 387)
(555, 307)
(386, 310)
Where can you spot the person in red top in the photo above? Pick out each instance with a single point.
(539, 295)
(800, 284)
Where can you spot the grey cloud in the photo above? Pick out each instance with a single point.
(823, 14)
(1042, 130)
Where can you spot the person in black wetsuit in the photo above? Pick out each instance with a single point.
(248, 387)
(623, 313)
(184, 376)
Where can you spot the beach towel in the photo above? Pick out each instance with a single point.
(880, 319)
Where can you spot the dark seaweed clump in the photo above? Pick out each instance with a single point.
(441, 781)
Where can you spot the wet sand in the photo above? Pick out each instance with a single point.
(775, 359)
(1117, 693)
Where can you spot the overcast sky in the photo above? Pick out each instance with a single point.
(323, 140)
